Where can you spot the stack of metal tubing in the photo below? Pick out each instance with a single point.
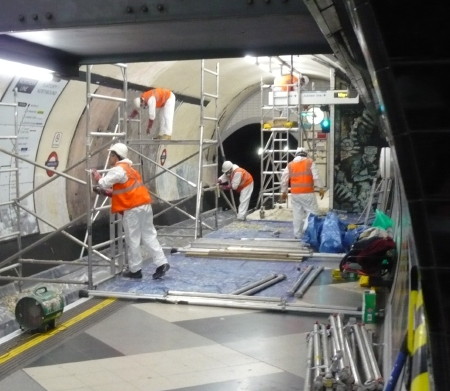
(341, 358)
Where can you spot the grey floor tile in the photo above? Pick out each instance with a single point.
(134, 331)
(82, 347)
(19, 381)
(255, 325)
(273, 382)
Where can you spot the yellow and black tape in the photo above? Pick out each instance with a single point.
(420, 378)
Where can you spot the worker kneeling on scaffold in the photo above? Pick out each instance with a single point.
(131, 198)
(159, 102)
(239, 180)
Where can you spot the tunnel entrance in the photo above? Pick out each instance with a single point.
(241, 147)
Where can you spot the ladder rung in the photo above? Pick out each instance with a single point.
(8, 170)
(211, 118)
(8, 137)
(210, 95)
(10, 235)
(210, 71)
(6, 203)
(108, 134)
(106, 97)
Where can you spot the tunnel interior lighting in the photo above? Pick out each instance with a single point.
(9, 68)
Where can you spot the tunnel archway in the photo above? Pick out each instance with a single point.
(241, 147)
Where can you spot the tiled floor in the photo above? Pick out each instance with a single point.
(154, 346)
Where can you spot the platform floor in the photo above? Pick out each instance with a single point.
(151, 344)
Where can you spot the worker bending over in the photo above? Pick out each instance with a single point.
(131, 198)
(239, 180)
(302, 175)
(160, 102)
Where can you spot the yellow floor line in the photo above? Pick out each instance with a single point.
(62, 327)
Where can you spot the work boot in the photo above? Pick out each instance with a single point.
(161, 271)
(130, 274)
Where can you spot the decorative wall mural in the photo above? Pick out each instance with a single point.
(357, 148)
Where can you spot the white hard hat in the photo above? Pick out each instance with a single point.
(227, 166)
(301, 151)
(137, 102)
(120, 149)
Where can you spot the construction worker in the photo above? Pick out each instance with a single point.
(302, 175)
(239, 180)
(131, 198)
(161, 102)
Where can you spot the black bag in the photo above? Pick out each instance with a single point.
(372, 256)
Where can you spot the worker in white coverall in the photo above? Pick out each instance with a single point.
(302, 175)
(239, 180)
(161, 102)
(131, 198)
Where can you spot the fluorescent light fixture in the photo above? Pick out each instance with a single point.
(9, 68)
(251, 59)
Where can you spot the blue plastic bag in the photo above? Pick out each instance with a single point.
(331, 235)
(313, 231)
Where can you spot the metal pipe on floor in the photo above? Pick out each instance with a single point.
(331, 308)
(312, 276)
(341, 338)
(328, 379)
(256, 289)
(370, 354)
(317, 357)
(301, 278)
(368, 372)
(213, 302)
(328, 255)
(221, 296)
(338, 350)
(309, 363)
(352, 363)
(253, 284)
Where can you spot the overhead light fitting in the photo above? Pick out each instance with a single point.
(9, 68)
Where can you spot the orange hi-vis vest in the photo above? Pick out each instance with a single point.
(161, 95)
(300, 176)
(130, 194)
(246, 178)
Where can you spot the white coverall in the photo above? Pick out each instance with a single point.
(165, 114)
(303, 203)
(245, 194)
(138, 225)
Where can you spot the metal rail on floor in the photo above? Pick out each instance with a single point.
(218, 301)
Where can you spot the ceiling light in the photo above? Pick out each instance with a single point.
(9, 68)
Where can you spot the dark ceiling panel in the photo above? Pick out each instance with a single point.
(85, 32)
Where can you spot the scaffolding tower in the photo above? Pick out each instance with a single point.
(280, 118)
(111, 254)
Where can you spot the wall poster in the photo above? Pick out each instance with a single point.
(35, 100)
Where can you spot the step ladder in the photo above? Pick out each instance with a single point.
(117, 246)
(379, 198)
